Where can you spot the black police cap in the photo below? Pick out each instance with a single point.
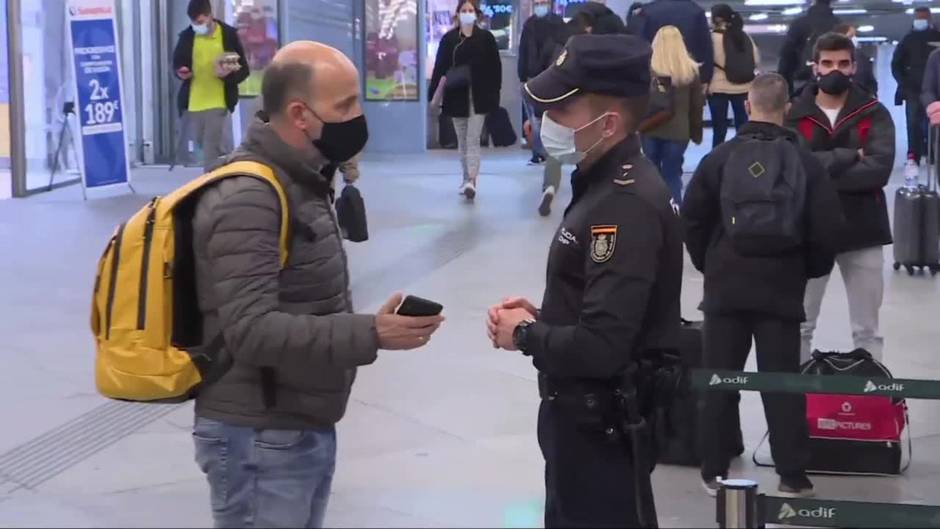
(615, 65)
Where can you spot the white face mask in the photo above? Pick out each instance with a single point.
(468, 19)
(201, 29)
(541, 10)
(559, 140)
(855, 41)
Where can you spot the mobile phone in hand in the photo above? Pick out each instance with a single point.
(416, 307)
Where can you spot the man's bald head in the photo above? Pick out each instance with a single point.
(313, 73)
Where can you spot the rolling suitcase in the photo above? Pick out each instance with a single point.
(446, 134)
(917, 220)
(500, 129)
(677, 434)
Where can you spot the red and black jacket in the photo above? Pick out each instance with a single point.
(865, 124)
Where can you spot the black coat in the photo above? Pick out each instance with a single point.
(692, 23)
(540, 38)
(183, 56)
(817, 20)
(772, 286)
(614, 272)
(863, 123)
(865, 75)
(910, 60)
(479, 50)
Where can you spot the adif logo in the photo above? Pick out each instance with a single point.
(871, 386)
(786, 512)
(716, 380)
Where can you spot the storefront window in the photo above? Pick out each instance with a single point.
(256, 21)
(391, 51)
(498, 16)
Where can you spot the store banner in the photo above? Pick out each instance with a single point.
(99, 104)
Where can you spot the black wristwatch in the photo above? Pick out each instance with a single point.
(520, 335)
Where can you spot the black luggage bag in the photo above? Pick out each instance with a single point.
(500, 129)
(678, 434)
(917, 220)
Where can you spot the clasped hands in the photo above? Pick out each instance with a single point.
(504, 317)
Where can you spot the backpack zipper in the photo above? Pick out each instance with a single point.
(145, 266)
(112, 282)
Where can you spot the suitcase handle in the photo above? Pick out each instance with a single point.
(933, 146)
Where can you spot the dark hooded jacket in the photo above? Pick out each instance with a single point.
(768, 285)
(863, 123)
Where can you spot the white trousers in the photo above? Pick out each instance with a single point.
(863, 273)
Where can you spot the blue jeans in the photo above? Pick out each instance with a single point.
(266, 478)
(667, 156)
(535, 120)
(718, 106)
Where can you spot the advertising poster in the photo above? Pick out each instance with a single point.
(440, 17)
(391, 50)
(95, 59)
(256, 21)
(4, 91)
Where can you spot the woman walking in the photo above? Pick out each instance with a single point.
(666, 143)
(736, 59)
(470, 69)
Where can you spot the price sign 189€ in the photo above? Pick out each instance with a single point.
(101, 109)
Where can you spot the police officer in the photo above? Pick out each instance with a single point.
(612, 293)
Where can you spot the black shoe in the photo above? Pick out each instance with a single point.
(796, 487)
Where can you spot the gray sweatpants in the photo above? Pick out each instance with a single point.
(208, 130)
(468, 132)
(863, 274)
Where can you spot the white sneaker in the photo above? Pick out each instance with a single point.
(545, 206)
(469, 191)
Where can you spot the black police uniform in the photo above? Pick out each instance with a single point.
(612, 296)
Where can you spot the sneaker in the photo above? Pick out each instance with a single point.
(469, 191)
(796, 487)
(536, 160)
(545, 206)
(711, 486)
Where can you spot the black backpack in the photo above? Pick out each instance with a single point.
(763, 194)
(739, 63)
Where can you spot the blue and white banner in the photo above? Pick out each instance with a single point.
(96, 62)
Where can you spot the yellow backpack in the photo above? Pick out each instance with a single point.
(145, 316)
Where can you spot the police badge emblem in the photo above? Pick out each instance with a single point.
(603, 242)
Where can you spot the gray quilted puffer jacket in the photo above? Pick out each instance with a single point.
(292, 327)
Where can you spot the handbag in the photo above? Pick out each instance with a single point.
(662, 105)
(351, 215)
(457, 77)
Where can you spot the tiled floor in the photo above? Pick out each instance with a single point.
(438, 437)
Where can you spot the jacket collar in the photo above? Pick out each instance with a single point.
(858, 103)
(767, 130)
(607, 165)
(307, 169)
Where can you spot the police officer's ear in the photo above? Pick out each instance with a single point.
(613, 122)
(747, 107)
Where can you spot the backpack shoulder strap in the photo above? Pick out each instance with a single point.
(242, 168)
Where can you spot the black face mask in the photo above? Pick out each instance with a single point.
(834, 83)
(339, 142)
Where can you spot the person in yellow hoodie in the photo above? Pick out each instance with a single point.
(211, 62)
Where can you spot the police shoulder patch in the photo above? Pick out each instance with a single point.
(603, 242)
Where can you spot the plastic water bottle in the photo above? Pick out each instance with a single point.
(911, 173)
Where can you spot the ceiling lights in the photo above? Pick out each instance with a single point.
(792, 11)
(774, 2)
(850, 11)
(932, 10)
(757, 17)
(866, 29)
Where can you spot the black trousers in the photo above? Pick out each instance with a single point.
(589, 477)
(727, 343)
